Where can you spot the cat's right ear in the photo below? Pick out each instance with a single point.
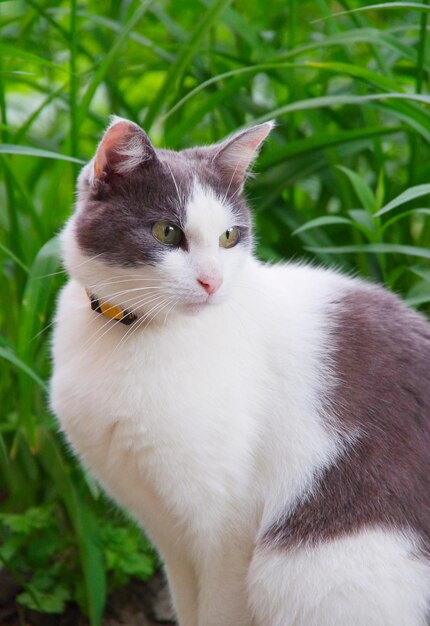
(124, 148)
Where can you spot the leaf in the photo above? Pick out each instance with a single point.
(322, 221)
(414, 116)
(320, 141)
(415, 301)
(252, 69)
(13, 256)
(329, 101)
(410, 194)
(422, 272)
(375, 248)
(25, 126)
(364, 220)
(46, 602)
(350, 36)
(380, 190)
(416, 6)
(134, 36)
(15, 52)
(400, 216)
(85, 527)
(37, 152)
(36, 294)
(357, 71)
(177, 69)
(419, 293)
(34, 518)
(7, 355)
(3, 451)
(361, 188)
(33, 317)
(110, 57)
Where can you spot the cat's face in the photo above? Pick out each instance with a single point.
(156, 230)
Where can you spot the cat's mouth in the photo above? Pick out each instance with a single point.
(197, 305)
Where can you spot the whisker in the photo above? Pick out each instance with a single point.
(114, 306)
(174, 182)
(132, 329)
(42, 330)
(168, 312)
(157, 310)
(64, 271)
(243, 327)
(116, 279)
(111, 323)
(111, 307)
(97, 285)
(119, 293)
(231, 180)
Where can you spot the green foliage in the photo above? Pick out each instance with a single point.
(343, 180)
(45, 559)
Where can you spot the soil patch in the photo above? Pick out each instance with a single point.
(136, 604)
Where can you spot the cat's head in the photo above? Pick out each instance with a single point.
(156, 229)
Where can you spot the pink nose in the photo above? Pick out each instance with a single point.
(210, 285)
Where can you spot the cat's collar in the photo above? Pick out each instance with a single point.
(112, 311)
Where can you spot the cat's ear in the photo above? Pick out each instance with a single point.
(124, 147)
(235, 155)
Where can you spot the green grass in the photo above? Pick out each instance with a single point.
(344, 180)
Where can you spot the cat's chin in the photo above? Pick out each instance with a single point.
(193, 308)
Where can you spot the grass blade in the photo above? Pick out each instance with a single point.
(37, 152)
(178, 68)
(329, 101)
(361, 188)
(321, 141)
(108, 60)
(375, 248)
(325, 220)
(15, 52)
(384, 6)
(84, 526)
(410, 194)
(13, 256)
(7, 355)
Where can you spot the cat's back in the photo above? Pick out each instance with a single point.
(379, 358)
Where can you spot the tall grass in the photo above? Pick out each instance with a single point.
(343, 181)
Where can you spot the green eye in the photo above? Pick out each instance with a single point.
(166, 233)
(230, 237)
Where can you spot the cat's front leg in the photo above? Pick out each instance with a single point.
(222, 597)
(182, 587)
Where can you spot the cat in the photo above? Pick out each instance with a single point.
(268, 425)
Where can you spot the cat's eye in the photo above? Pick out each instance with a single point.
(229, 237)
(167, 233)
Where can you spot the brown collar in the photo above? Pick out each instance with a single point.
(112, 311)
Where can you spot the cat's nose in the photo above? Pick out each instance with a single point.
(210, 285)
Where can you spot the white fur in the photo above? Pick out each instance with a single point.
(208, 426)
(374, 578)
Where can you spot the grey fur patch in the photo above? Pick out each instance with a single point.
(118, 210)
(381, 352)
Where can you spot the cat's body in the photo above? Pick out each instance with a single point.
(274, 444)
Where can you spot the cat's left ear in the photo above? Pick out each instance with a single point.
(123, 148)
(235, 155)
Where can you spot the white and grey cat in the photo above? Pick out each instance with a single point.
(269, 426)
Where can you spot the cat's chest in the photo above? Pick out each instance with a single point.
(171, 409)
(170, 381)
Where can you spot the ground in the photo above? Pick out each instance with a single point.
(133, 605)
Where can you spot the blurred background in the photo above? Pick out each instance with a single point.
(342, 181)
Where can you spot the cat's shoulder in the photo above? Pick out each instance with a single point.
(361, 299)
